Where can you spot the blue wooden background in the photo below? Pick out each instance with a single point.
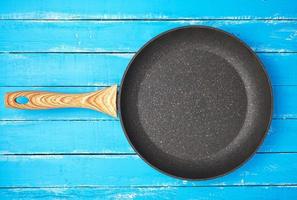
(85, 45)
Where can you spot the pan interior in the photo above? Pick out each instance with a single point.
(184, 103)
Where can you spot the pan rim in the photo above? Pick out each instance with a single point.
(261, 68)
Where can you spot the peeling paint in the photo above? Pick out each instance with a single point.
(125, 196)
(292, 36)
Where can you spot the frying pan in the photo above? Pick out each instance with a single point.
(194, 102)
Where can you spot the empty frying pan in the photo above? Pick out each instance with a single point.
(194, 102)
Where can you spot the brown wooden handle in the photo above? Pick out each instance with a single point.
(103, 100)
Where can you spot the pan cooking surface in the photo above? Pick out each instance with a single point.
(193, 106)
(195, 103)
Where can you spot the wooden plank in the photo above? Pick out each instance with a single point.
(48, 137)
(129, 36)
(63, 69)
(281, 68)
(106, 69)
(150, 9)
(278, 138)
(205, 193)
(104, 137)
(284, 105)
(63, 137)
(130, 170)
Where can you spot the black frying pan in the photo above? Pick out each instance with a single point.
(194, 102)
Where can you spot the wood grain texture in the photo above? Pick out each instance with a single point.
(129, 36)
(105, 137)
(139, 193)
(130, 170)
(102, 101)
(90, 69)
(148, 9)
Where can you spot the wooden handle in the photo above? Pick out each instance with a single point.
(103, 100)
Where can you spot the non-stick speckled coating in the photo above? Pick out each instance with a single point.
(195, 102)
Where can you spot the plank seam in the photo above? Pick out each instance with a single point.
(105, 154)
(111, 52)
(57, 120)
(147, 186)
(69, 154)
(148, 19)
(116, 52)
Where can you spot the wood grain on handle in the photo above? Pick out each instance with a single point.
(103, 100)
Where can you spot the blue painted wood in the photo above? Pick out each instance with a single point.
(123, 170)
(31, 137)
(281, 137)
(281, 68)
(104, 137)
(62, 69)
(106, 69)
(283, 107)
(267, 26)
(149, 9)
(129, 36)
(126, 193)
